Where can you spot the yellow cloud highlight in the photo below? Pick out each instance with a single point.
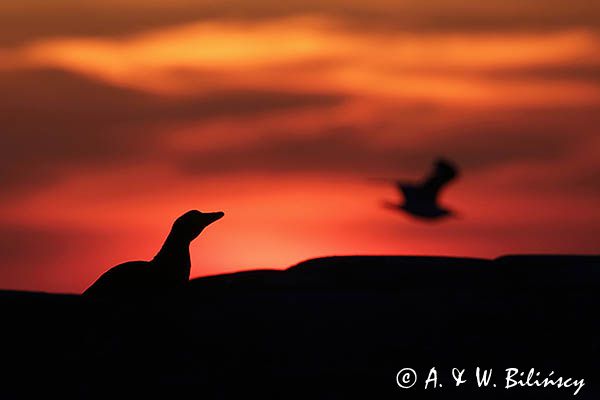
(317, 54)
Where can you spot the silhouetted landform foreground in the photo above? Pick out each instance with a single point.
(331, 328)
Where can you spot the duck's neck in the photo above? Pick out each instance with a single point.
(174, 258)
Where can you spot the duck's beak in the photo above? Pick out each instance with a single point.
(212, 216)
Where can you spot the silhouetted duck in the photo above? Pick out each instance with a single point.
(421, 199)
(168, 270)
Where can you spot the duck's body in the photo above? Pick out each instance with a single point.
(125, 279)
(169, 269)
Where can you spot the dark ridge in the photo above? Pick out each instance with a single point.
(328, 328)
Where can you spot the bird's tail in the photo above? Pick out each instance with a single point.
(456, 215)
(389, 205)
(381, 180)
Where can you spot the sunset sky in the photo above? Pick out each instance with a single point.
(118, 116)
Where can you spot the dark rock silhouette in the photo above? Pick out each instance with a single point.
(168, 270)
(421, 199)
(328, 328)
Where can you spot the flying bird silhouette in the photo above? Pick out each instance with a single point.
(421, 199)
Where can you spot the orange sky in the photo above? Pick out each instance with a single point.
(119, 116)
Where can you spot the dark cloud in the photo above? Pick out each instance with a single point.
(577, 71)
(52, 119)
(589, 74)
(27, 20)
(584, 180)
(481, 143)
(59, 258)
(14, 240)
(29, 255)
(56, 122)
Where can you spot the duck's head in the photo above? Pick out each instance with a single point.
(192, 223)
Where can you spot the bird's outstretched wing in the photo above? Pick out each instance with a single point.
(443, 173)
